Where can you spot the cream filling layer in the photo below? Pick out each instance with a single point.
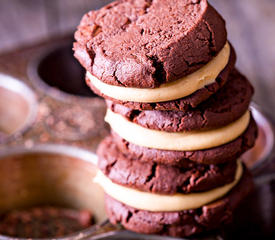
(164, 203)
(178, 141)
(168, 91)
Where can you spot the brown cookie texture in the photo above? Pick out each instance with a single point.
(182, 223)
(182, 104)
(159, 178)
(217, 155)
(143, 43)
(43, 222)
(222, 108)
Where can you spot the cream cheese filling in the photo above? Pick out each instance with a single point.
(178, 141)
(168, 91)
(164, 203)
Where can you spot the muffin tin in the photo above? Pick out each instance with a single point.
(18, 107)
(260, 155)
(50, 126)
(48, 134)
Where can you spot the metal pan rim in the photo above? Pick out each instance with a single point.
(66, 150)
(46, 89)
(19, 87)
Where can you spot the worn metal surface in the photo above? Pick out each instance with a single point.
(60, 117)
(251, 29)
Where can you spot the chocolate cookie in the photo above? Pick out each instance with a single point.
(221, 154)
(159, 178)
(183, 223)
(144, 43)
(222, 108)
(182, 104)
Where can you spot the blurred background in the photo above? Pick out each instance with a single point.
(250, 23)
(43, 100)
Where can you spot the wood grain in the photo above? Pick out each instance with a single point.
(251, 29)
(25, 21)
(250, 24)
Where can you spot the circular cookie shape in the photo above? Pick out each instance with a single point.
(217, 155)
(177, 141)
(144, 43)
(159, 178)
(222, 108)
(182, 104)
(183, 223)
(168, 91)
(165, 203)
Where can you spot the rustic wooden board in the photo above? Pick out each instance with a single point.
(25, 21)
(251, 29)
(250, 23)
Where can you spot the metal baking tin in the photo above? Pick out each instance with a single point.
(51, 107)
(257, 157)
(50, 174)
(24, 95)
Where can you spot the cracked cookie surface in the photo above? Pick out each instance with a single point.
(159, 178)
(182, 223)
(221, 109)
(144, 43)
(217, 155)
(182, 104)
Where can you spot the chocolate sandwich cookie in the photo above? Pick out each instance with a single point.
(222, 108)
(217, 155)
(145, 43)
(181, 223)
(181, 104)
(159, 178)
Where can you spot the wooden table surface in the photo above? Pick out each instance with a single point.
(250, 24)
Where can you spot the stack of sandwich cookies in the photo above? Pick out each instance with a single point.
(156, 188)
(178, 110)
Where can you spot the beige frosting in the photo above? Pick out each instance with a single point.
(164, 203)
(178, 141)
(168, 91)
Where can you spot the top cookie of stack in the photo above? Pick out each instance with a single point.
(146, 54)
